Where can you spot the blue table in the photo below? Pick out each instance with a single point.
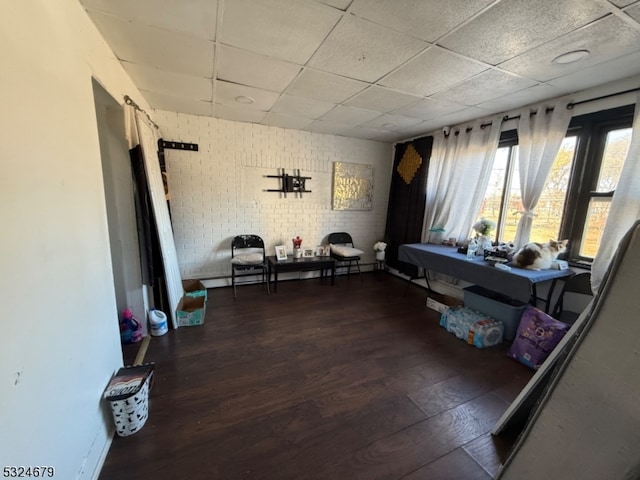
(516, 283)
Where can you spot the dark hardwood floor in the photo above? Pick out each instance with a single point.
(356, 381)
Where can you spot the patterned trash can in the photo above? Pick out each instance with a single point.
(128, 395)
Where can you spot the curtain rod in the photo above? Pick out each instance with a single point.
(129, 101)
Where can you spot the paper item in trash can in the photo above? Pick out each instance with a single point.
(128, 381)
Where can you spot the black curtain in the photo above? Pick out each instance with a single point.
(407, 198)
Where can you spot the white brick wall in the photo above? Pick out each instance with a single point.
(219, 191)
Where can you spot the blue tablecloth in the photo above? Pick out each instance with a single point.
(517, 283)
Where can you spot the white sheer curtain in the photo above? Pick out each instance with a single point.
(625, 206)
(458, 175)
(540, 135)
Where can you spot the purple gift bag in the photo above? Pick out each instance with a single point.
(538, 334)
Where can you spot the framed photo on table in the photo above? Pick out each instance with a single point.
(323, 251)
(307, 252)
(281, 252)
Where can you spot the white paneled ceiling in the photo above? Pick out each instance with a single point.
(376, 69)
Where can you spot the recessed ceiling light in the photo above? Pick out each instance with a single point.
(571, 57)
(244, 99)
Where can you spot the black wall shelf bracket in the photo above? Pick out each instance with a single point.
(162, 144)
(290, 183)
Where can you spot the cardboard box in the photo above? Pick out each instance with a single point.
(194, 288)
(436, 305)
(191, 311)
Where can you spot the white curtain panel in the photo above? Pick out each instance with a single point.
(625, 206)
(540, 135)
(458, 175)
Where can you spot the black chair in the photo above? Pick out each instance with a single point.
(248, 256)
(578, 287)
(343, 250)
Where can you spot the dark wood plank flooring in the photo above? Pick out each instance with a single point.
(355, 381)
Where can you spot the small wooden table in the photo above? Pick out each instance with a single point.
(303, 264)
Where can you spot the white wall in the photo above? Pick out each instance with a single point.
(219, 191)
(60, 343)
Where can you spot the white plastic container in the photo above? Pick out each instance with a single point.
(157, 323)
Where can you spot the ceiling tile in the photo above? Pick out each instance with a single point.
(607, 38)
(274, 28)
(156, 48)
(634, 12)
(524, 97)
(238, 113)
(349, 115)
(248, 68)
(428, 108)
(432, 71)
(487, 85)
(390, 123)
(227, 93)
(365, 133)
(324, 86)
(170, 103)
(362, 50)
(512, 27)
(301, 107)
(622, 3)
(341, 4)
(286, 121)
(195, 17)
(456, 118)
(597, 75)
(424, 19)
(170, 83)
(381, 99)
(331, 128)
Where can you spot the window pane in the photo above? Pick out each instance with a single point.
(514, 203)
(593, 227)
(550, 208)
(491, 205)
(615, 152)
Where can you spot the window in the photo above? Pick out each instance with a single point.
(577, 194)
(503, 200)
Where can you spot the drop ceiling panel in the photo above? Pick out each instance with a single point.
(622, 3)
(301, 107)
(238, 113)
(381, 99)
(195, 17)
(622, 67)
(331, 128)
(428, 108)
(512, 27)
(275, 28)
(456, 118)
(170, 103)
(228, 94)
(286, 121)
(424, 19)
(433, 70)
(523, 97)
(607, 38)
(170, 83)
(349, 115)
(248, 68)
(634, 12)
(487, 85)
(157, 48)
(324, 86)
(362, 50)
(341, 4)
(389, 122)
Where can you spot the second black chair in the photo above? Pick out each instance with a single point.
(344, 251)
(578, 286)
